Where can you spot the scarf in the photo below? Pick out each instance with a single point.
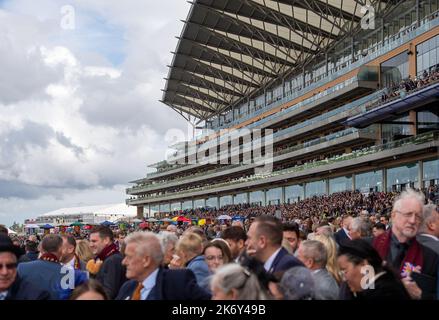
(94, 265)
(412, 259)
(49, 257)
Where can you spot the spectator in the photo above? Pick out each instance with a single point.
(168, 240)
(235, 282)
(12, 286)
(235, 237)
(297, 283)
(331, 250)
(378, 229)
(31, 249)
(429, 230)
(399, 247)
(314, 256)
(90, 290)
(189, 254)
(69, 256)
(359, 228)
(107, 266)
(217, 253)
(292, 235)
(264, 242)
(46, 272)
(383, 284)
(83, 251)
(148, 281)
(343, 233)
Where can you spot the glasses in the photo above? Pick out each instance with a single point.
(8, 266)
(409, 215)
(210, 258)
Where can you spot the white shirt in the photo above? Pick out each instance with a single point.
(347, 232)
(430, 236)
(148, 284)
(3, 295)
(269, 262)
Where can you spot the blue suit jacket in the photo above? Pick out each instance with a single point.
(170, 285)
(46, 276)
(284, 261)
(340, 235)
(200, 269)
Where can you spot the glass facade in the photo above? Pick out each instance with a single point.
(175, 206)
(240, 198)
(394, 70)
(427, 55)
(294, 193)
(212, 202)
(430, 173)
(315, 188)
(428, 120)
(226, 200)
(257, 197)
(186, 205)
(401, 177)
(274, 196)
(199, 203)
(340, 184)
(371, 181)
(166, 207)
(154, 208)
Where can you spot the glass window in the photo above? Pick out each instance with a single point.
(154, 208)
(240, 198)
(225, 201)
(315, 188)
(371, 181)
(394, 70)
(340, 184)
(257, 197)
(175, 206)
(186, 205)
(166, 207)
(212, 202)
(274, 196)
(401, 177)
(294, 193)
(199, 203)
(431, 170)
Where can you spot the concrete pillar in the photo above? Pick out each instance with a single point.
(384, 179)
(353, 182)
(327, 186)
(248, 197)
(282, 197)
(140, 212)
(420, 174)
(413, 118)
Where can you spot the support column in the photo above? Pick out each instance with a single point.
(265, 197)
(353, 182)
(413, 118)
(421, 174)
(384, 171)
(140, 212)
(327, 186)
(248, 197)
(282, 196)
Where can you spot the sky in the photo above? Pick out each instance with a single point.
(80, 84)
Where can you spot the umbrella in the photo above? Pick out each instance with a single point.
(151, 220)
(11, 231)
(47, 226)
(76, 224)
(175, 218)
(31, 226)
(201, 222)
(238, 218)
(183, 219)
(137, 220)
(107, 223)
(224, 217)
(144, 225)
(166, 220)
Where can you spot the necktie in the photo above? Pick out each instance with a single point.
(136, 293)
(400, 255)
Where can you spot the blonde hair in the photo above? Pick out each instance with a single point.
(191, 244)
(331, 249)
(83, 251)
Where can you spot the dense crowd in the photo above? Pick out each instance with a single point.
(317, 250)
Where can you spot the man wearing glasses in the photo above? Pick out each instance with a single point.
(11, 286)
(415, 263)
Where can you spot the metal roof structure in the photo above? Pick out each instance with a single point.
(229, 49)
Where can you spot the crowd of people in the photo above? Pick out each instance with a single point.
(317, 250)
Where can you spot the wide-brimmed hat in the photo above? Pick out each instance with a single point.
(6, 245)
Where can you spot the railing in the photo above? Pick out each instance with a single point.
(422, 138)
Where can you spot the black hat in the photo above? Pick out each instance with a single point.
(6, 245)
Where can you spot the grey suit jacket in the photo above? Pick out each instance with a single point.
(326, 288)
(428, 242)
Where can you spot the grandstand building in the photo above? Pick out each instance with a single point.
(348, 89)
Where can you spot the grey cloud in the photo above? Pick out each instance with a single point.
(66, 142)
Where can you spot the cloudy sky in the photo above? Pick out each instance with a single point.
(79, 88)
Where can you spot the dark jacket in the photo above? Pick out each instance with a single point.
(112, 274)
(170, 285)
(24, 290)
(386, 287)
(428, 242)
(284, 261)
(340, 235)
